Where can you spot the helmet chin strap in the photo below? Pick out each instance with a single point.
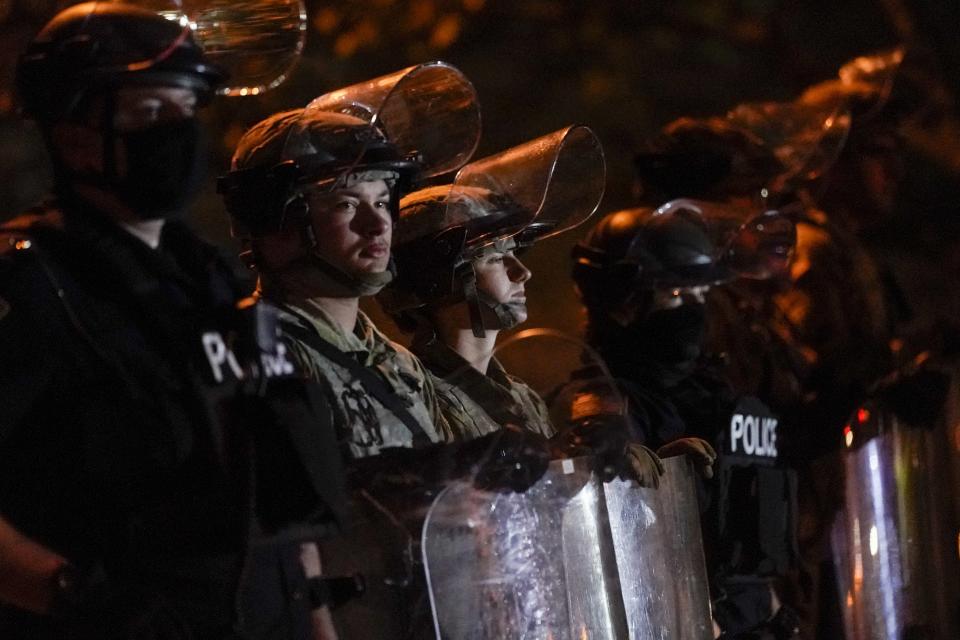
(478, 301)
(341, 283)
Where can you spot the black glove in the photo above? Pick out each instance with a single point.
(700, 452)
(615, 455)
(510, 459)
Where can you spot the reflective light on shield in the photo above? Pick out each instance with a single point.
(874, 540)
(257, 41)
(848, 435)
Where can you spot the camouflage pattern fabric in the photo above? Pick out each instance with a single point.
(366, 426)
(475, 404)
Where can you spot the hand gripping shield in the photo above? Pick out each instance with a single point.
(896, 538)
(573, 556)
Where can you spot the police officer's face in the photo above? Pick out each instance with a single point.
(80, 144)
(353, 226)
(142, 107)
(502, 276)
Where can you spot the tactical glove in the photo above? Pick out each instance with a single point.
(606, 439)
(510, 459)
(701, 453)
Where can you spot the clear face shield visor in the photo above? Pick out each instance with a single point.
(253, 43)
(805, 139)
(742, 242)
(422, 121)
(530, 192)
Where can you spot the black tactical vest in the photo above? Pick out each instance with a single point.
(751, 522)
(153, 425)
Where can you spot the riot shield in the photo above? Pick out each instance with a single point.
(380, 542)
(895, 540)
(573, 556)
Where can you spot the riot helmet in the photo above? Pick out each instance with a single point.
(416, 123)
(99, 45)
(642, 250)
(642, 274)
(505, 202)
(93, 68)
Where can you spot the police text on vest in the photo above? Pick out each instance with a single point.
(754, 435)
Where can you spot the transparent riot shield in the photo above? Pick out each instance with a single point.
(573, 556)
(380, 542)
(897, 537)
(806, 139)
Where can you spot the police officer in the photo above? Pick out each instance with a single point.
(314, 194)
(643, 276)
(136, 390)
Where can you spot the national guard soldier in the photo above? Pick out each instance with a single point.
(461, 281)
(643, 276)
(313, 194)
(151, 422)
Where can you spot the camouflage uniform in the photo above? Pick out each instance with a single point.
(366, 426)
(475, 404)
(388, 497)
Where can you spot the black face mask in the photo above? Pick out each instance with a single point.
(666, 343)
(165, 168)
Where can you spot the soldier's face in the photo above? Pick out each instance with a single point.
(502, 276)
(353, 226)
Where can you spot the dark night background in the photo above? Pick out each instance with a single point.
(625, 68)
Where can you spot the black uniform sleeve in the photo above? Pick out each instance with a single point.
(31, 339)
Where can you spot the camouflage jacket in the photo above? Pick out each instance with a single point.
(365, 426)
(475, 404)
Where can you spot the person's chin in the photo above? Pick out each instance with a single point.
(519, 310)
(371, 265)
